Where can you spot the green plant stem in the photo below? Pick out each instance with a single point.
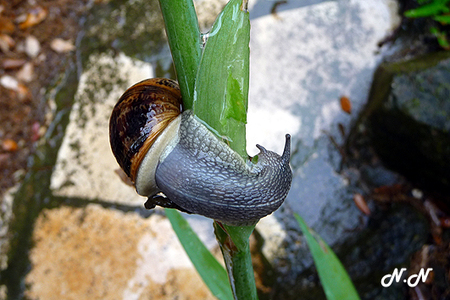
(221, 102)
(238, 260)
(217, 81)
(185, 43)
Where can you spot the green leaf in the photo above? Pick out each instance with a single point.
(428, 10)
(211, 271)
(335, 280)
(441, 37)
(184, 38)
(221, 88)
(445, 19)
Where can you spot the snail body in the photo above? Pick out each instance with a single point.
(196, 171)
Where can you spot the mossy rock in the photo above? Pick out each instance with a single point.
(408, 116)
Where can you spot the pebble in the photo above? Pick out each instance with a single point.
(32, 46)
(9, 82)
(26, 73)
(61, 46)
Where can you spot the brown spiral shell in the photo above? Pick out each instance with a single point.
(140, 115)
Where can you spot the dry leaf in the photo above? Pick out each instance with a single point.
(6, 42)
(23, 92)
(361, 204)
(9, 145)
(346, 104)
(13, 63)
(34, 17)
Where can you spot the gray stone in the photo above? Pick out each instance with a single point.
(409, 117)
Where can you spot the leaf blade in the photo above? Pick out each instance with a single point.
(222, 82)
(211, 271)
(333, 276)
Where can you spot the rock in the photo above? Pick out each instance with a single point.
(32, 46)
(97, 253)
(9, 82)
(61, 46)
(409, 118)
(26, 73)
(369, 255)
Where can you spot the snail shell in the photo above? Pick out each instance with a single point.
(164, 150)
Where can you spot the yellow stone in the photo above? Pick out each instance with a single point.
(98, 253)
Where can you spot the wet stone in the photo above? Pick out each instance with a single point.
(86, 166)
(409, 117)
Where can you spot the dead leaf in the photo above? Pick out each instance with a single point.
(6, 42)
(34, 17)
(9, 145)
(13, 63)
(23, 92)
(346, 105)
(361, 204)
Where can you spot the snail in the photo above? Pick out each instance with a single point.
(164, 150)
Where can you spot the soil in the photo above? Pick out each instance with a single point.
(23, 110)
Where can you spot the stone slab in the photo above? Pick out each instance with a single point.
(86, 167)
(97, 253)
